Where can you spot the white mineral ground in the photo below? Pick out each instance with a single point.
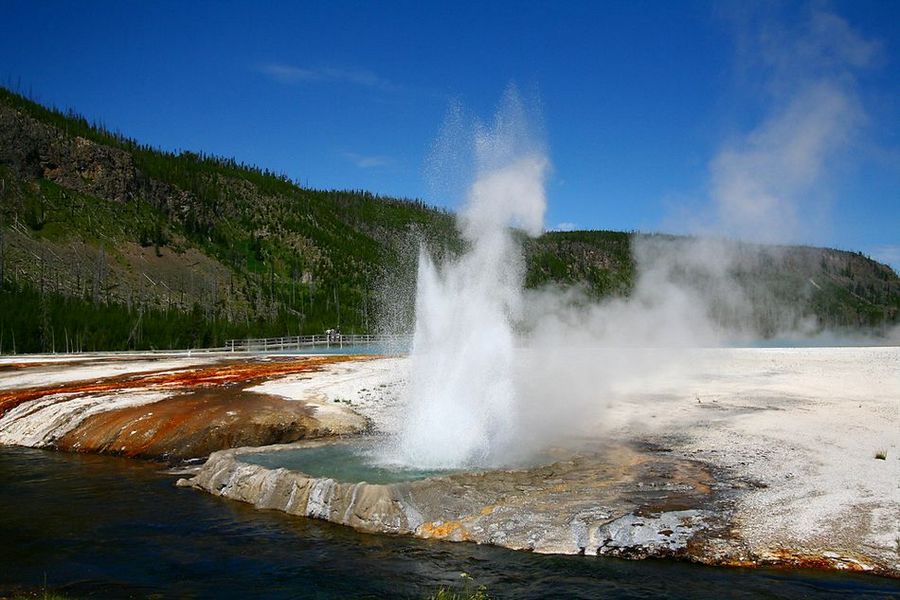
(806, 423)
(59, 369)
(42, 422)
(372, 388)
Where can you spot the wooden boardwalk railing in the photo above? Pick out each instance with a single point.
(305, 342)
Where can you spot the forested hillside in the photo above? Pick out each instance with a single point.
(109, 244)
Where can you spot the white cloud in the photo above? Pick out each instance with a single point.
(767, 184)
(364, 161)
(565, 226)
(290, 74)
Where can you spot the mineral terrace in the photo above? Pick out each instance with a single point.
(751, 456)
(160, 407)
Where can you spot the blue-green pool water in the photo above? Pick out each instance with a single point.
(345, 462)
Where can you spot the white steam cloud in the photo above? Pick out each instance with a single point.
(766, 185)
(499, 374)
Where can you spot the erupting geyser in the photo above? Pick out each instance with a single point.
(461, 395)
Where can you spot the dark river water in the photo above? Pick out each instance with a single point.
(103, 527)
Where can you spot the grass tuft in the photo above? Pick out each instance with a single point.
(448, 594)
(467, 593)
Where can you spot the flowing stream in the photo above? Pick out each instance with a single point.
(103, 527)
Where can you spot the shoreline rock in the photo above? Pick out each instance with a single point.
(619, 501)
(601, 503)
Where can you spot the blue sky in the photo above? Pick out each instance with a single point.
(657, 114)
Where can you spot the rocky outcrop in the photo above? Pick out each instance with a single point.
(34, 150)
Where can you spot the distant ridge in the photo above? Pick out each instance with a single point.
(109, 244)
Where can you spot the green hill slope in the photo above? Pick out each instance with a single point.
(109, 244)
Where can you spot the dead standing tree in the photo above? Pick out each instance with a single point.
(2, 253)
(99, 275)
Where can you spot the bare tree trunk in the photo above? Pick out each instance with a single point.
(42, 272)
(2, 255)
(98, 274)
(337, 303)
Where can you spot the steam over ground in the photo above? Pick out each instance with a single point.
(497, 373)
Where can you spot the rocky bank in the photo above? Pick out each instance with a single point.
(164, 408)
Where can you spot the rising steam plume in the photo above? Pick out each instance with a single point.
(462, 406)
(497, 374)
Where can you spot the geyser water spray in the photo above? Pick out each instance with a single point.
(461, 396)
(481, 395)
